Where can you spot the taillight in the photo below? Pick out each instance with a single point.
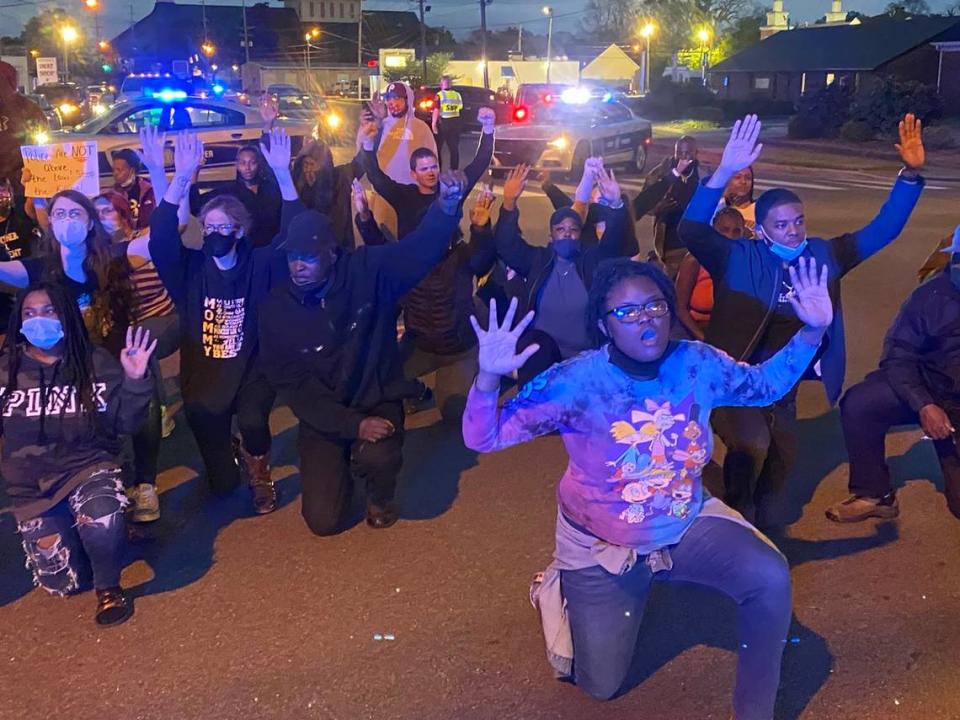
(548, 98)
(648, 140)
(520, 114)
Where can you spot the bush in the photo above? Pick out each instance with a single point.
(938, 138)
(827, 109)
(706, 112)
(883, 103)
(671, 101)
(804, 127)
(856, 131)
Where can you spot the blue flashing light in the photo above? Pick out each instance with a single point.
(218, 89)
(168, 95)
(608, 97)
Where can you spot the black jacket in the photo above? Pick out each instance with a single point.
(535, 263)
(49, 448)
(667, 197)
(264, 206)
(921, 353)
(331, 353)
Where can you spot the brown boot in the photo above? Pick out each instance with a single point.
(257, 470)
(857, 508)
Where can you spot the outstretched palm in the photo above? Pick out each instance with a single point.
(910, 146)
(811, 297)
(152, 141)
(187, 153)
(278, 154)
(498, 344)
(742, 149)
(135, 357)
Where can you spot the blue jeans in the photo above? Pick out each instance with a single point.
(605, 611)
(84, 532)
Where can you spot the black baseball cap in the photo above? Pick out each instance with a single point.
(309, 233)
(395, 89)
(563, 213)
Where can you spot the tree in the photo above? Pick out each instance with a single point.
(678, 20)
(42, 32)
(907, 8)
(610, 20)
(743, 33)
(437, 66)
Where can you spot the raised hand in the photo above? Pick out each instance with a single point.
(359, 198)
(810, 297)
(278, 154)
(514, 184)
(453, 183)
(609, 188)
(136, 353)
(682, 165)
(910, 146)
(480, 213)
(187, 153)
(742, 149)
(498, 344)
(487, 119)
(268, 109)
(152, 142)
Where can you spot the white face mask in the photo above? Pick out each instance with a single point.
(111, 226)
(70, 233)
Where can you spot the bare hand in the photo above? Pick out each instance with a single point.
(682, 165)
(609, 188)
(514, 184)
(935, 422)
(187, 153)
(480, 213)
(487, 119)
(152, 141)
(136, 354)
(453, 183)
(268, 108)
(278, 154)
(359, 197)
(742, 149)
(498, 344)
(374, 429)
(910, 146)
(810, 297)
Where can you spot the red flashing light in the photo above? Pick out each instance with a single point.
(372, 63)
(520, 114)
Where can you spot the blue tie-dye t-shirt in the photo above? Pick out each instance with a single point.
(637, 447)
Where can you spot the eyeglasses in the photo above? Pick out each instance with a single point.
(633, 313)
(62, 214)
(222, 229)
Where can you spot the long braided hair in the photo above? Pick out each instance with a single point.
(74, 369)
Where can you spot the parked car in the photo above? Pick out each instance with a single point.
(474, 98)
(223, 126)
(53, 119)
(562, 135)
(69, 101)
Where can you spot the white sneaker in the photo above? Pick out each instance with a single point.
(146, 503)
(167, 423)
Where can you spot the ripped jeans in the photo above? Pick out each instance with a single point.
(83, 534)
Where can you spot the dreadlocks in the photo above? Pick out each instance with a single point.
(76, 366)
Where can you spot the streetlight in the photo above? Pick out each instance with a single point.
(548, 11)
(703, 35)
(646, 32)
(208, 48)
(94, 7)
(69, 34)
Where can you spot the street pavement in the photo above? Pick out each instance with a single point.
(243, 617)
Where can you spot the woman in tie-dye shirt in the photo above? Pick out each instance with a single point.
(634, 416)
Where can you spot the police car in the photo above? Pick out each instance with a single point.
(223, 126)
(560, 135)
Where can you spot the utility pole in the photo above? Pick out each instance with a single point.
(360, 54)
(423, 46)
(246, 35)
(520, 41)
(483, 51)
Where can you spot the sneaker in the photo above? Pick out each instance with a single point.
(857, 508)
(167, 423)
(146, 503)
(113, 607)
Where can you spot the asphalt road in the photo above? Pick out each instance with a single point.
(241, 617)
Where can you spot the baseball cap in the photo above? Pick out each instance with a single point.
(395, 89)
(309, 233)
(562, 214)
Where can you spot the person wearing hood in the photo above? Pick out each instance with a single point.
(558, 277)
(20, 118)
(18, 238)
(327, 188)
(328, 345)
(218, 291)
(918, 382)
(256, 187)
(137, 190)
(752, 317)
(402, 133)
(64, 402)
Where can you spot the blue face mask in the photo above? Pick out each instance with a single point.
(782, 251)
(42, 332)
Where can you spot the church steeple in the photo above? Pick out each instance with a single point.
(777, 19)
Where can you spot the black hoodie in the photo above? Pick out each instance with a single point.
(331, 352)
(48, 449)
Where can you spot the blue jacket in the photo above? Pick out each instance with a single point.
(747, 276)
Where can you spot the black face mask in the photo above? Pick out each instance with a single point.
(5, 207)
(217, 244)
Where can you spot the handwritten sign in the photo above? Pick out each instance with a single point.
(61, 166)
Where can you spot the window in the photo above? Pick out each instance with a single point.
(353, 10)
(313, 11)
(726, 81)
(830, 78)
(201, 116)
(803, 83)
(761, 83)
(341, 10)
(133, 122)
(323, 10)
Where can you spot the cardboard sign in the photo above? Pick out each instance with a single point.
(46, 70)
(61, 166)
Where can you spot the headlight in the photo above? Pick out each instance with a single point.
(68, 109)
(41, 137)
(560, 143)
(333, 120)
(98, 109)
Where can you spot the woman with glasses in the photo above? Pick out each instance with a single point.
(218, 291)
(634, 417)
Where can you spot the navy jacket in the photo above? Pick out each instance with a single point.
(747, 276)
(921, 353)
